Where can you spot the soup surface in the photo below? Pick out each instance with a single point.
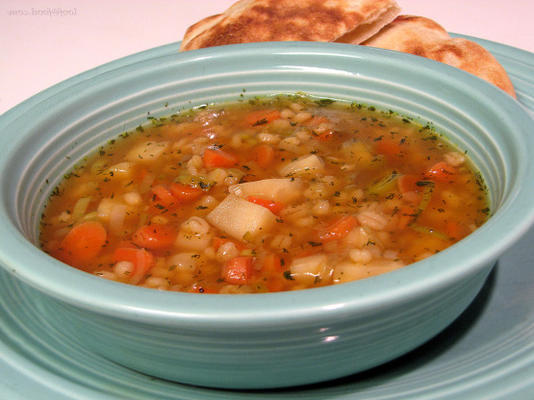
(264, 195)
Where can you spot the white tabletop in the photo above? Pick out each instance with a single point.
(45, 42)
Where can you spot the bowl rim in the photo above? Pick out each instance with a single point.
(369, 295)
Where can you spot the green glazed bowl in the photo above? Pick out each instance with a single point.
(261, 340)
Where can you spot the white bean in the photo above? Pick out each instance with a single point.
(362, 256)
(157, 283)
(227, 251)
(217, 175)
(287, 113)
(196, 225)
(302, 116)
(183, 261)
(194, 164)
(296, 107)
(132, 198)
(123, 268)
(321, 207)
(208, 201)
(281, 242)
(372, 219)
(268, 138)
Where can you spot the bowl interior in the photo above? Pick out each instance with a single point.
(48, 139)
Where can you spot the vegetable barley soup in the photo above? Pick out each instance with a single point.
(264, 195)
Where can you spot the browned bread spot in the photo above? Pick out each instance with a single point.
(283, 20)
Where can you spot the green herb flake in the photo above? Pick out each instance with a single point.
(262, 121)
(324, 102)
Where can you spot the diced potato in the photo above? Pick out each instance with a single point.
(349, 271)
(308, 269)
(303, 165)
(241, 219)
(378, 267)
(285, 190)
(147, 151)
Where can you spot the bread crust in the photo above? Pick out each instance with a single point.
(426, 38)
(290, 20)
(408, 32)
(375, 23)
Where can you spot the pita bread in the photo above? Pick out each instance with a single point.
(408, 32)
(281, 20)
(423, 37)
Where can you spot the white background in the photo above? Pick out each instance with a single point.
(43, 42)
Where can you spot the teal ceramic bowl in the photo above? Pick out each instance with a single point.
(260, 340)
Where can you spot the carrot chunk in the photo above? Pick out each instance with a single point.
(325, 136)
(456, 230)
(273, 269)
(185, 193)
(154, 236)
(273, 263)
(262, 117)
(317, 120)
(83, 243)
(441, 172)
(387, 147)
(274, 206)
(410, 188)
(142, 260)
(338, 229)
(214, 158)
(263, 154)
(238, 270)
(163, 196)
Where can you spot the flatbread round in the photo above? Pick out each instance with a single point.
(423, 37)
(408, 32)
(287, 20)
